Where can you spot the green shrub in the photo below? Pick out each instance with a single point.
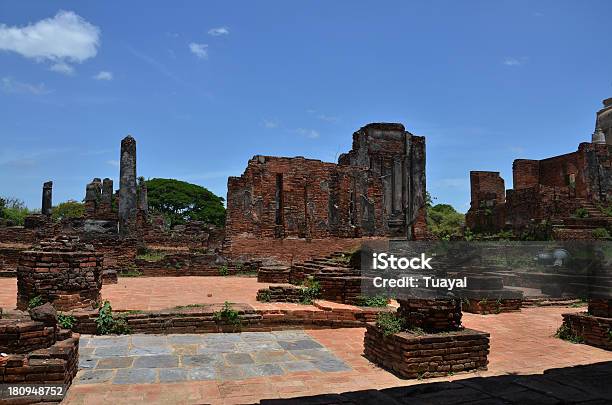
(581, 213)
(311, 292)
(14, 210)
(607, 211)
(444, 221)
(389, 323)
(151, 255)
(108, 323)
(66, 321)
(600, 233)
(68, 209)
(264, 296)
(223, 271)
(228, 315)
(35, 302)
(372, 301)
(565, 332)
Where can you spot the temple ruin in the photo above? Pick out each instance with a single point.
(550, 190)
(376, 189)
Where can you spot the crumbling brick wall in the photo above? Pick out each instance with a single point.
(376, 189)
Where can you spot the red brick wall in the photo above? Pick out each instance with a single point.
(289, 250)
(486, 186)
(525, 173)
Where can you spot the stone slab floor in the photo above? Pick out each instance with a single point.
(521, 343)
(142, 359)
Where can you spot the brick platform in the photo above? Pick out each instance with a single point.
(431, 355)
(63, 271)
(273, 274)
(593, 330)
(431, 315)
(23, 336)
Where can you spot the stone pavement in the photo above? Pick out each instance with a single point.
(141, 359)
(521, 343)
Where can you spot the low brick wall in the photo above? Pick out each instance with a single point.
(431, 355)
(201, 319)
(431, 315)
(274, 274)
(486, 306)
(595, 331)
(23, 336)
(56, 364)
(181, 264)
(280, 293)
(600, 307)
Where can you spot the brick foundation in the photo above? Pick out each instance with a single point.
(492, 306)
(280, 293)
(23, 336)
(593, 330)
(430, 355)
(57, 364)
(273, 274)
(64, 272)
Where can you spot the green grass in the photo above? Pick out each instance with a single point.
(152, 256)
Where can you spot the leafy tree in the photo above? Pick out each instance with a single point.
(68, 209)
(444, 221)
(13, 210)
(180, 201)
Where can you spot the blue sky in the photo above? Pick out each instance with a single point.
(204, 86)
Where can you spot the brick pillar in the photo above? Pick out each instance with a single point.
(47, 198)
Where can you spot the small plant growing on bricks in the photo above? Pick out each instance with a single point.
(66, 321)
(229, 316)
(311, 292)
(390, 323)
(108, 323)
(223, 271)
(35, 302)
(372, 301)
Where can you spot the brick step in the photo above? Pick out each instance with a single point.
(8, 273)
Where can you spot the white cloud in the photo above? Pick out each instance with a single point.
(215, 32)
(9, 85)
(104, 75)
(327, 118)
(62, 67)
(309, 133)
(270, 123)
(114, 163)
(63, 39)
(512, 61)
(199, 50)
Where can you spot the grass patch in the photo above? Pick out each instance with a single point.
(189, 306)
(389, 323)
(152, 256)
(379, 301)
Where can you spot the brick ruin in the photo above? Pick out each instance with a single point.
(63, 271)
(376, 189)
(550, 189)
(434, 344)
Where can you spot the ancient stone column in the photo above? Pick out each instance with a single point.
(92, 197)
(106, 201)
(127, 185)
(47, 198)
(143, 199)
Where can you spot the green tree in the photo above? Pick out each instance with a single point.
(180, 201)
(13, 210)
(444, 221)
(68, 209)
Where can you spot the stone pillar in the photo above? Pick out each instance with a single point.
(47, 198)
(106, 202)
(143, 199)
(92, 197)
(127, 185)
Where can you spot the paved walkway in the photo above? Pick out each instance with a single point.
(521, 343)
(152, 293)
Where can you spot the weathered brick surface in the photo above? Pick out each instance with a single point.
(377, 189)
(274, 274)
(23, 336)
(431, 315)
(201, 319)
(280, 293)
(594, 330)
(57, 363)
(601, 307)
(550, 189)
(485, 307)
(64, 272)
(410, 355)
